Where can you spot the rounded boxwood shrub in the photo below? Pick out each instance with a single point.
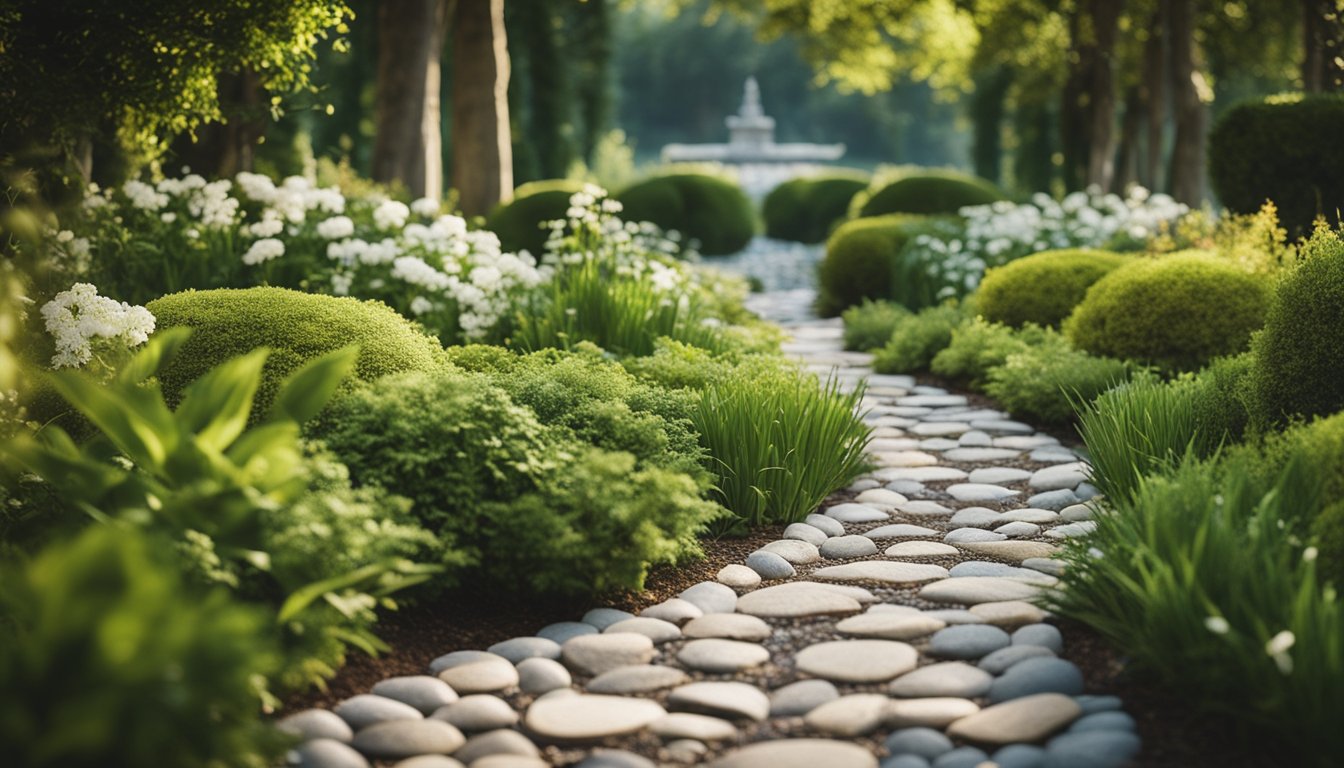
(861, 259)
(931, 192)
(806, 209)
(1043, 288)
(714, 212)
(1298, 367)
(1177, 312)
(1285, 149)
(519, 221)
(297, 327)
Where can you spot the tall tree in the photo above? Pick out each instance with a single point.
(1322, 45)
(482, 152)
(1153, 96)
(407, 141)
(1189, 91)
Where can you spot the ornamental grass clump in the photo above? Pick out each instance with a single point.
(977, 347)
(779, 442)
(869, 325)
(1043, 382)
(916, 339)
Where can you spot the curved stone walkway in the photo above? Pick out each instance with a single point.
(894, 627)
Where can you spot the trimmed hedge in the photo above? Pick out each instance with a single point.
(931, 192)
(1299, 358)
(805, 210)
(1285, 149)
(861, 260)
(1043, 288)
(519, 221)
(714, 212)
(1177, 312)
(297, 327)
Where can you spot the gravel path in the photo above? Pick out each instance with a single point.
(896, 626)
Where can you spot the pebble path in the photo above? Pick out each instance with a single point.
(894, 628)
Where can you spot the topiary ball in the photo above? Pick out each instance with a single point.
(1042, 288)
(297, 327)
(805, 210)
(519, 221)
(931, 192)
(714, 212)
(1299, 358)
(859, 262)
(1177, 312)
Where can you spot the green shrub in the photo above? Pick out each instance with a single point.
(930, 192)
(1043, 382)
(917, 338)
(715, 213)
(1221, 397)
(1042, 288)
(977, 347)
(862, 261)
(869, 325)
(1177, 312)
(677, 365)
(107, 658)
(296, 327)
(1299, 357)
(807, 209)
(1201, 580)
(778, 441)
(520, 222)
(1329, 533)
(1281, 149)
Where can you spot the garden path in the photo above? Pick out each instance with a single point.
(894, 625)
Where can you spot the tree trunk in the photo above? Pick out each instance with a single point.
(1073, 107)
(407, 146)
(482, 154)
(1127, 153)
(224, 148)
(1105, 18)
(593, 86)
(987, 109)
(1153, 93)
(1033, 169)
(1322, 46)
(1187, 154)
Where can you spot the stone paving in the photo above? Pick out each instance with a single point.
(895, 626)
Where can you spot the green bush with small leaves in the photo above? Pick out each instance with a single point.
(714, 212)
(869, 325)
(1043, 288)
(1177, 312)
(1042, 382)
(806, 210)
(1222, 396)
(917, 339)
(1298, 368)
(977, 347)
(930, 192)
(678, 365)
(863, 261)
(519, 223)
(296, 327)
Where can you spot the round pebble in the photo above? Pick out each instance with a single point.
(921, 742)
(731, 626)
(829, 525)
(719, 655)
(798, 753)
(890, 626)
(605, 617)
(685, 725)
(485, 676)
(1045, 635)
(407, 738)
(849, 716)
(769, 565)
(804, 532)
(537, 676)
(1027, 719)
(423, 692)
(366, 709)
(962, 757)
(1003, 659)
(657, 630)
(326, 753)
(1033, 676)
(637, 679)
(500, 742)
(954, 678)
(317, 724)
(857, 661)
(797, 699)
(674, 610)
(560, 632)
(971, 641)
(1091, 749)
(731, 700)
(478, 712)
(711, 597)
(520, 648)
(588, 717)
(795, 551)
(595, 654)
(738, 577)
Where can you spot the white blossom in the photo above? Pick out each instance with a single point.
(76, 317)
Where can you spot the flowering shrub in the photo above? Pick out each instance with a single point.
(79, 318)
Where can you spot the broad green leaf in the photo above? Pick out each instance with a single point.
(308, 389)
(304, 596)
(161, 348)
(215, 407)
(137, 422)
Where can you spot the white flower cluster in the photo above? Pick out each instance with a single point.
(76, 317)
(263, 251)
(637, 250)
(293, 198)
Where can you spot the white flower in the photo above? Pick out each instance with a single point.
(1217, 625)
(1278, 647)
(425, 206)
(168, 217)
(420, 305)
(264, 250)
(143, 196)
(1310, 554)
(390, 214)
(336, 228)
(77, 316)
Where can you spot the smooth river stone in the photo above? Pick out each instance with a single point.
(952, 678)
(856, 513)
(972, 590)
(849, 716)
(828, 525)
(1019, 529)
(970, 641)
(999, 475)
(975, 439)
(685, 725)
(857, 661)
(732, 626)
(1016, 549)
(605, 617)
(485, 676)
(940, 428)
(981, 454)
(938, 444)
(922, 742)
(975, 517)
(885, 571)
(798, 753)
(366, 709)
(738, 576)
(478, 712)
(795, 551)
(1077, 513)
(498, 742)
(987, 568)
(657, 630)
(906, 459)
(732, 700)
(1060, 477)
(1048, 566)
(674, 610)
(595, 654)
(881, 498)
(1040, 675)
(1054, 500)
(718, 655)
(1069, 530)
(973, 492)
(935, 712)
(804, 532)
(925, 509)
(845, 547)
(562, 631)
(326, 753)
(1026, 442)
(921, 474)
(1045, 635)
(408, 738)
(1091, 749)
(921, 549)
(971, 535)
(538, 676)
(1029, 515)
(889, 626)
(930, 399)
(458, 658)
(900, 531)
(711, 597)
(317, 724)
(1002, 427)
(519, 648)
(1028, 719)
(590, 717)
(1008, 613)
(769, 565)
(637, 679)
(797, 699)
(423, 692)
(796, 599)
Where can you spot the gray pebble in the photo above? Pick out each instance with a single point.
(905, 761)
(326, 753)
(910, 488)
(1054, 500)
(408, 738)
(970, 641)
(797, 699)
(366, 709)
(1044, 635)
(827, 525)
(561, 631)
(1019, 529)
(966, 535)
(1091, 749)
(804, 532)
(478, 712)
(769, 565)
(1093, 704)
(605, 617)
(1044, 675)
(612, 758)
(1104, 721)
(423, 692)
(844, 547)
(499, 742)
(1003, 659)
(317, 724)
(429, 761)
(1076, 513)
(1020, 756)
(519, 648)
(924, 742)
(538, 676)
(711, 597)
(961, 757)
